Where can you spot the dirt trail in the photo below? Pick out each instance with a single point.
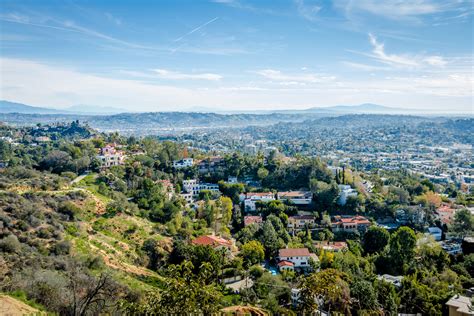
(10, 306)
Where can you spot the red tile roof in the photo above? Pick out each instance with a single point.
(211, 240)
(351, 220)
(285, 264)
(294, 252)
(252, 219)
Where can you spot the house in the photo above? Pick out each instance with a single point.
(232, 180)
(350, 224)
(296, 197)
(183, 163)
(286, 265)
(436, 232)
(213, 241)
(298, 257)
(301, 221)
(452, 247)
(445, 213)
(248, 220)
(211, 165)
(250, 199)
(168, 187)
(412, 214)
(395, 280)
(460, 305)
(188, 197)
(345, 192)
(195, 187)
(332, 246)
(109, 156)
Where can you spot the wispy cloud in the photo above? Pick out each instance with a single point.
(307, 10)
(402, 60)
(172, 75)
(364, 67)
(414, 10)
(112, 18)
(292, 79)
(393, 59)
(70, 26)
(196, 29)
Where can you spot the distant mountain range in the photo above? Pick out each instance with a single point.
(366, 108)
(13, 107)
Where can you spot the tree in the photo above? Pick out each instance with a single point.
(184, 292)
(402, 248)
(375, 240)
(330, 286)
(226, 212)
(325, 194)
(262, 173)
(463, 223)
(269, 239)
(387, 297)
(252, 252)
(364, 296)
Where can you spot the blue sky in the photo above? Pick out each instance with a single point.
(233, 54)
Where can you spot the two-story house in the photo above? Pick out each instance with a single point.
(295, 258)
(350, 224)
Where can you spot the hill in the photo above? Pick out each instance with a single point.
(13, 107)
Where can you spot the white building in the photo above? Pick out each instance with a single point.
(109, 156)
(291, 258)
(183, 163)
(345, 192)
(296, 197)
(195, 187)
(250, 199)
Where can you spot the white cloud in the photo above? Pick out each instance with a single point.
(410, 61)
(436, 61)
(364, 67)
(292, 79)
(25, 81)
(379, 53)
(413, 10)
(173, 75)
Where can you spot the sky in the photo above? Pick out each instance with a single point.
(238, 54)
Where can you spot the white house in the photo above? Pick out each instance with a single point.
(345, 192)
(183, 163)
(296, 197)
(291, 258)
(109, 156)
(250, 199)
(195, 187)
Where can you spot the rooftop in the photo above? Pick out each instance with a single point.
(462, 304)
(294, 252)
(211, 240)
